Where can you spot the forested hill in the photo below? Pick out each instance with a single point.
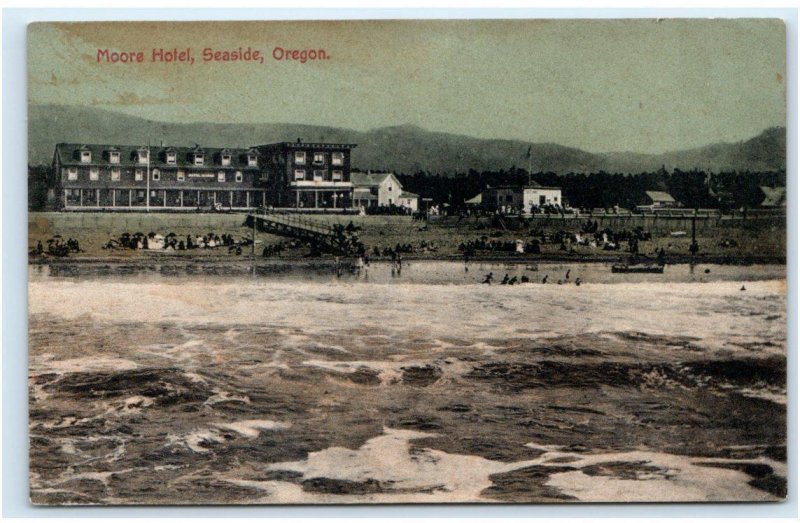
(402, 149)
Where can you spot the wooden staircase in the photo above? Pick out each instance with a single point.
(320, 236)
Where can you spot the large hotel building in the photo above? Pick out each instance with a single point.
(124, 177)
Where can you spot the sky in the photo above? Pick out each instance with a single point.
(646, 86)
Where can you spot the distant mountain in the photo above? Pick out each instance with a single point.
(403, 148)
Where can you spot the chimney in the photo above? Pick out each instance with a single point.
(299, 140)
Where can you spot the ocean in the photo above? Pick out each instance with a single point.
(301, 383)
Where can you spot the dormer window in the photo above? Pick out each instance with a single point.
(172, 158)
(199, 159)
(113, 156)
(115, 174)
(319, 158)
(239, 176)
(337, 158)
(252, 161)
(156, 175)
(86, 156)
(225, 159)
(144, 156)
(300, 157)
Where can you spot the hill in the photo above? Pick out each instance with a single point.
(403, 148)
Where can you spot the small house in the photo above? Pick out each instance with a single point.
(654, 200)
(380, 190)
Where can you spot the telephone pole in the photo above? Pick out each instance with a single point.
(148, 176)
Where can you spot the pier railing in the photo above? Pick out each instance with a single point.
(295, 220)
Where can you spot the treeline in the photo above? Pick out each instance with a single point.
(605, 190)
(40, 179)
(726, 190)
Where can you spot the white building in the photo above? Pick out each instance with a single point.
(535, 194)
(380, 189)
(409, 200)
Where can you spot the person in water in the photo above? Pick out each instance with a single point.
(578, 282)
(566, 277)
(544, 280)
(505, 280)
(488, 278)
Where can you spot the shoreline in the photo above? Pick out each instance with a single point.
(188, 259)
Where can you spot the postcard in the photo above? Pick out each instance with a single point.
(407, 261)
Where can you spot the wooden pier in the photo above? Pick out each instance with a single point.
(320, 236)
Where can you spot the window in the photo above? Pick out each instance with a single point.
(156, 174)
(72, 173)
(555, 198)
(94, 173)
(198, 159)
(299, 174)
(181, 176)
(171, 159)
(319, 158)
(318, 175)
(252, 161)
(239, 176)
(113, 156)
(337, 176)
(144, 156)
(220, 176)
(115, 175)
(226, 159)
(86, 156)
(389, 188)
(138, 175)
(337, 158)
(300, 157)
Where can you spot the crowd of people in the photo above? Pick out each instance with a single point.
(513, 280)
(173, 242)
(425, 246)
(56, 246)
(483, 243)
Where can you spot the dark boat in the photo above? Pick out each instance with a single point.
(638, 269)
